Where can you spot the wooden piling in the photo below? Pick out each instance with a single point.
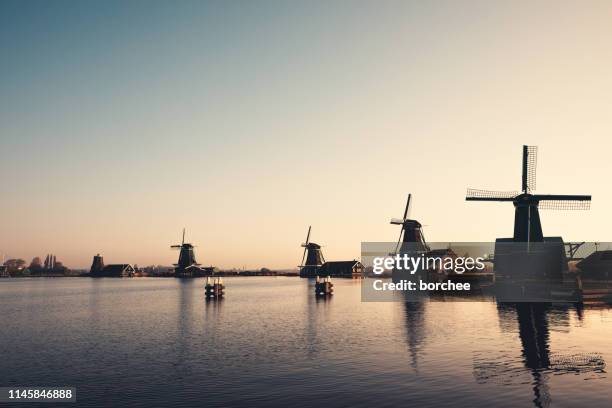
(325, 287)
(214, 290)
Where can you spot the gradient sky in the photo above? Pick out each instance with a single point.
(245, 122)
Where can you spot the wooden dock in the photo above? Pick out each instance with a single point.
(214, 289)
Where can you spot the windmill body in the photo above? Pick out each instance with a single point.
(411, 242)
(313, 257)
(187, 265)
(529, 253)
(97, 266)
(186, 257)
(411, 236)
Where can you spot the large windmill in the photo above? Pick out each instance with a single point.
(186, 262)
(411, 232)
(312, 255)
(527, 226)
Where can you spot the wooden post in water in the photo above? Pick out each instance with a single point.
(325, 287)
(214, 290)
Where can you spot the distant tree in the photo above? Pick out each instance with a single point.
(264, 270)
(36, 263)
(15, 264)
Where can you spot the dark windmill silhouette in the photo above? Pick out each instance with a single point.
(187, 264)
(313, 256)
(527, 225)
(411, 234)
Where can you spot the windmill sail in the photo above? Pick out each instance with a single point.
(565, 204)
(490, 195)
(530, 161)
(305, 245)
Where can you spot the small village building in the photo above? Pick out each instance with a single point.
(117, 271)
(598, 265)
(342, 269)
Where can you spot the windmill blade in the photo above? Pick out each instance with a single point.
(488, 195)
(399, 239)
(561, 197)
(565, 205)
(396, 221)
(305, 245)
(304, 256)
(532, 163)
(407, 206)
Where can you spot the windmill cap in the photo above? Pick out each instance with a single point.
(311, 245)
(412, 223)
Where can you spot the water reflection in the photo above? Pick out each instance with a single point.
(534, 322)
(184, 328)
(534, 335)
(415, 330)
(271, 342)
(318, 308)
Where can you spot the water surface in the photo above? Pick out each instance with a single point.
(157, 342)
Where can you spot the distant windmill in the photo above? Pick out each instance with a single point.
(527, 227)
(312, 255)
(411, 230)
(186, 256)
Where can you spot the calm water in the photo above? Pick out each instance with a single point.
(157, 342)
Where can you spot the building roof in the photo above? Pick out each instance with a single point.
(442, 252)
(336, 266)
(598, 258)
(117, 267)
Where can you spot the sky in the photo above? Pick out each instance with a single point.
(246, 122)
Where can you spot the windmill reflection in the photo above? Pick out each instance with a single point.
(533, 331)
(534, 320)
(414, 313)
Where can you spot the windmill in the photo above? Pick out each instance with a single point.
(312, 255)
(186, 258)
(527, 226)
(410, 232)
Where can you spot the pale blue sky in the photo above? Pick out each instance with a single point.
(122, 122)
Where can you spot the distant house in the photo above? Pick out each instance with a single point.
(342, 269)
(117, 271)
(598, 265)
(442, 255)
(194, 271)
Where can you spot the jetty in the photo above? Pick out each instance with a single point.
(324, 287)
(214, 289)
